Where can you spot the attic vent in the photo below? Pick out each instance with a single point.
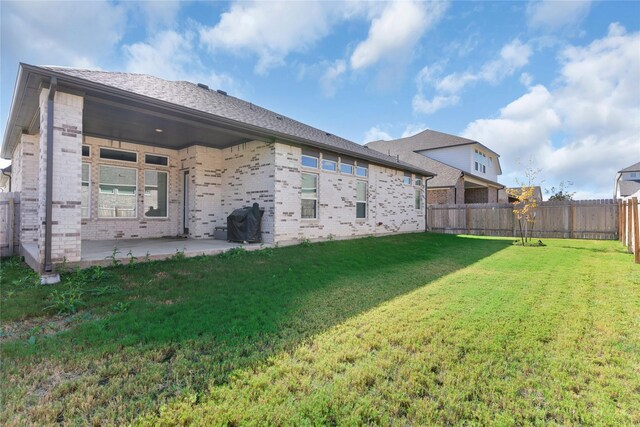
(279, 117)
(203, 86)
(327, 133)
(221, 92)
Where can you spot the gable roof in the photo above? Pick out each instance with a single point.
(432, 140)
(216, 105)
(632, 168)
(628, 188)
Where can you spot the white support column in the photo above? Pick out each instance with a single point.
(67, 175)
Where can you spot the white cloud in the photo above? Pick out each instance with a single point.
(526, 79)
(77, 34)
(413, 129)
(376, 133)
(331, 77)
(394, 34)
(172, 56)
(512, 57)
(555, 15)
(157, 14)
(270, 30)
(586, 128)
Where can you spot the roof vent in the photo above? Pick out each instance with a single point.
(221, 92)
(203, 86)
(327, 133)
(279, 117)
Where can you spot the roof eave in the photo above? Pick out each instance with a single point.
(273, 135)
(18, 90)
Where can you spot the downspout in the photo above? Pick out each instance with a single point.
(8, 175)
(426, 203)
(49, 190)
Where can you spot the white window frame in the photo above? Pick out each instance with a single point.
(135, 193)
(125, 162)
(302, 197)
(346, 164)
(365, 201)
(366, 171)
(335, 165)
(89, 199)
(144, 186)
(406, 179)
(317, 159)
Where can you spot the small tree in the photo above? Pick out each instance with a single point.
(524, 208)
(562, 192)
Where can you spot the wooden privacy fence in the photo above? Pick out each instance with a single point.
(628, 218)
(575, 219)
(9, 223)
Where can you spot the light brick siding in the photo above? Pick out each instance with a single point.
(390, 205)
(25, 178)
(67, 166)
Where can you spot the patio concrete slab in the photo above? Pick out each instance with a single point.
(101, 251)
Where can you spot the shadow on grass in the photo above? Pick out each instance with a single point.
(225, 313)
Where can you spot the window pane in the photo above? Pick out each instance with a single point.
(155, 194)
(361, 171)
(86, 151)
(418, 199)
(85, 190)
(361, 210)
(152, 159)
(310, 162)
(117, 195)
(329, 165)
(308, 208)
(127, 156)
(309, 181)
(348, 169)
(361, 191)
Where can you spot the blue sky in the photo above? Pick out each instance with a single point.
(554, 83)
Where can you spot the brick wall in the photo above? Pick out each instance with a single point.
(390, 208)
(476, 195)
(441, 196)
(24, 179)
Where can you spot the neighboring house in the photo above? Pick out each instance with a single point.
(511, 192)
(466, 170)
(628, 182)
(105, 155)
(5, 179)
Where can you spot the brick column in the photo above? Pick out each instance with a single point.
(28, 187)
(67, 175)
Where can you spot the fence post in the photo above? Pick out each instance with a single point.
(571, 212)
(620, 220)
(10, 224)
(629, 223)
(636, 237)
(468, 220)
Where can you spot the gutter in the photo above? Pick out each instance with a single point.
(49, 190)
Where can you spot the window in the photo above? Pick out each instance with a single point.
(310, 158)
(406, 180)
(117, 196)
(153, 159)
(361, 199)
(85, 193)
(361, 171)
(155, 194)
(480, 163)
(418, 182)
(418, 198)
(309, 196)
(346, 169)
(86, 151)
(329, 165)
(310, 162)
(329, 162)
(124, 156)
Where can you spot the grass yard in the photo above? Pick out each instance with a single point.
(421, 329)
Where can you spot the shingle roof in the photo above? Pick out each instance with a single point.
(632, 168)
(628, 188)
(430, 139)
(190, 95)
(446, 176)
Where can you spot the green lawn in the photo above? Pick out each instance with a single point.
(415, 329)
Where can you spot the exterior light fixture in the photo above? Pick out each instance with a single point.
(159, 130)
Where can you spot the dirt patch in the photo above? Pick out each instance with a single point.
(39, 326)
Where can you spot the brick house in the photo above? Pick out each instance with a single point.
(466, 170)
(100, 156)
